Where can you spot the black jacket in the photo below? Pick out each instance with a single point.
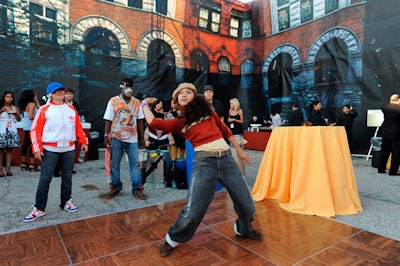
(346, 120)
(390, 127)
(218, 108)
(296, 118)
(317, 118)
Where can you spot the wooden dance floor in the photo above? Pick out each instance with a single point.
(133, 238)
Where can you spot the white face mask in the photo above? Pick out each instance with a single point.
(128, 91)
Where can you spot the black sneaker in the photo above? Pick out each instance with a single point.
(255, 235)
(165, 249)
(112, 193)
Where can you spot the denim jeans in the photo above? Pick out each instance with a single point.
(205, 174)
(132, 150)
(49, 162)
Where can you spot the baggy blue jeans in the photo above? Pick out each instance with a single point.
(205, 174)
(132, 150)
(49, 163)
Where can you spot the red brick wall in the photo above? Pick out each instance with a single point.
(267, 18)
(212, 44)
(134, 22)
(305, 35)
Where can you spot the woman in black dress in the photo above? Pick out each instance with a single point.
(235, 118)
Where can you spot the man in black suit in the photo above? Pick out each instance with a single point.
(390, 132)
(296, 116)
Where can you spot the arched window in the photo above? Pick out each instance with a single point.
(246, 71)
(161, 68)
(280, 76)
(161, 51)
(102, 55)
(224, 68)
(199, 60)
(331, 63)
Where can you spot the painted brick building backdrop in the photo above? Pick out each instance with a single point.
(266, 53)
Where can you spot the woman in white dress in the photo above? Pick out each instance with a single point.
(9, 137)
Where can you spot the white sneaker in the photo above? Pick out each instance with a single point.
(70, 206)
(36, 213)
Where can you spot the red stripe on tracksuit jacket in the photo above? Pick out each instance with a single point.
(56, 128)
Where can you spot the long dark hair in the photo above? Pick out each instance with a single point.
(153, 109)
(153, 105)
(27, 96)
(196, 109)
(3, 96)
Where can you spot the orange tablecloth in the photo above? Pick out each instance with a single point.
(308, 170)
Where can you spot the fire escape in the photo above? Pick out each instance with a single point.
(160, 57)
(157, 21)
